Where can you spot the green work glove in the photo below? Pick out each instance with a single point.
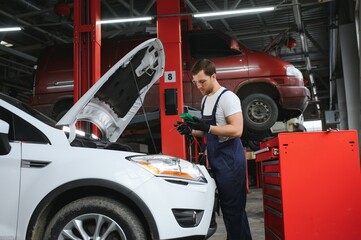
(198, 124)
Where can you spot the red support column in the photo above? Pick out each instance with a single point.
(169, 32)
(87, 42)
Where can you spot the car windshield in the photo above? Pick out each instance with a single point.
(26, 108)
(213, 44)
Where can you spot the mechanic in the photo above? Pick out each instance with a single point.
(222, 125)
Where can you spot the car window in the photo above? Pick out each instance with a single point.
(210, 46)
(26, 108)
(6, 116)
(21, 130)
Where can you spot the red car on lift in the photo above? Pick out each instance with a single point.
(270, 89)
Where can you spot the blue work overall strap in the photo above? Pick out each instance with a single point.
(228, 163)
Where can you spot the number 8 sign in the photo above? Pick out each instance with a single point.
(169, 76)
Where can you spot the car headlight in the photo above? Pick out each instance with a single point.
(292, 71)
(168, 166)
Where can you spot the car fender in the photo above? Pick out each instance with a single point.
(111, 187)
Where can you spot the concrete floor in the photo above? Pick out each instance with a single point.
(254, 210)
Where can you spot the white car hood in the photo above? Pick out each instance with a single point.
(116, 97)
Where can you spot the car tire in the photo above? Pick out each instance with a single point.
(92, 218)
(260, 112)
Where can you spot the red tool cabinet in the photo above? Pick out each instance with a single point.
(311, 186)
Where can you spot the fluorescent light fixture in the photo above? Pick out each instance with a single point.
(10, 29)
(6, 44)
(235, 12)
(124, 20)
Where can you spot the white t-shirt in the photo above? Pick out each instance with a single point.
(228, 104)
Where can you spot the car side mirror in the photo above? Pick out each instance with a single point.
(4, 140)
(234, 46)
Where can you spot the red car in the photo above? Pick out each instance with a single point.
(270, 89)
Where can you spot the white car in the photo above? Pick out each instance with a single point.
(57, 185)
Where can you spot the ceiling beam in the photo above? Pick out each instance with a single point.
(27, 24)
(315, 43)
(18, 66)
(18, 54)
(195, 10)
(215, 8)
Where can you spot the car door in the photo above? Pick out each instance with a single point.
(20, 133)
(9, 188)
(9, 183)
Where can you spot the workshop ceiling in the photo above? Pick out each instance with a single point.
(271, 31)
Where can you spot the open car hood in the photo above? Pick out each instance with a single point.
(116, 97)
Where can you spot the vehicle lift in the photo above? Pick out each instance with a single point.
(87, 48)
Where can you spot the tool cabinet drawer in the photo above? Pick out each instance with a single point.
(271, 166)
(272, 190)
(271, 178)
(269, 234)
(274, 142)
(274, 221)
(272, 202)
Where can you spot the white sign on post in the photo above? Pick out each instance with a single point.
(169, 77)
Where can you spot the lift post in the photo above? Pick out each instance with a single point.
(87, 43)
(171, 84)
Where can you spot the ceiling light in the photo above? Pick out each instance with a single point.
(124, 20)
(6, 44)
(234, 12)
(9, 29)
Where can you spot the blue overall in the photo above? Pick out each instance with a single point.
(228, 163)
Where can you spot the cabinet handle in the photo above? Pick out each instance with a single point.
(266, 149)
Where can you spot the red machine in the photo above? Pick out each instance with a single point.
(311, 186)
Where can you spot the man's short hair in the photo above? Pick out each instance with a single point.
(204, 64)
